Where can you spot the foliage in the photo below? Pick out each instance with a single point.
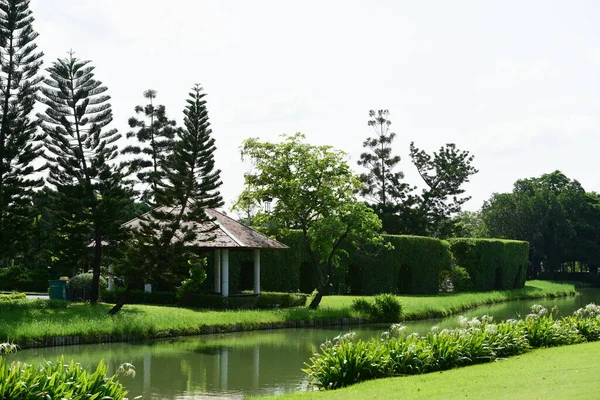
(197, 277)
(554, 214)
(383, 187)
(12, 296)
(190, 185)
(385, 307)
(313, 189)
(19, 140)
(468, 224)
(476, 340)
(444, 174)
(18, 277)
(461, 280)
(59, 380)
(80, 153)
(492, 264)
(156, 144)
(413, 266)
(80, 286)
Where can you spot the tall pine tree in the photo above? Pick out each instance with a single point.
(19, 143)
(81, 155)
(155, 132)
(383, 186)
(191, 185)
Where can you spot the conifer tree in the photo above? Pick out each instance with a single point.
(190, 186)
(156, 138)
(383, 187)
(19, 143)
(81, 155)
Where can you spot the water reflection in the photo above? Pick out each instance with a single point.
(245, 364)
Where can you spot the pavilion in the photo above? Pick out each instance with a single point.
(224, 234)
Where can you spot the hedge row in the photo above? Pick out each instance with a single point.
(265, 300)
(412, 267)
(493, 264)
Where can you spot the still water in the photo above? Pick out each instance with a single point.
(237, 365)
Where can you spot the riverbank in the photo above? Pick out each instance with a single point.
(41, 323)
(568, 372)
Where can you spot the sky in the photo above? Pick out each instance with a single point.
(516, 83)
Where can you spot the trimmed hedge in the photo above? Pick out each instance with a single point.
(493, 264)
(412, 267)
(211, 301)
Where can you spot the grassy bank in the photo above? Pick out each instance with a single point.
(569, 372)
(27, 321)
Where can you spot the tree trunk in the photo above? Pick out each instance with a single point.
(123, 299)
(95, 294)
(321, 291)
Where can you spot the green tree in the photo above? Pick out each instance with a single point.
(554, 214)
(444, 174)
(468, 224)
(81, 155)
(383, 187)
(191, 184)
(313, 190)
(20, 145)
(155, 133)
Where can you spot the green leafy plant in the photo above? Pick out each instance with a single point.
(385, 307)
(80, 285)
(59, 380)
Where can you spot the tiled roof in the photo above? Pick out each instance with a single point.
(222, 233)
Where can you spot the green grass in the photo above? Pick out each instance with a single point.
(568, 372)
(25, 320)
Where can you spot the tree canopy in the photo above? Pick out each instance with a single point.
(314, 190)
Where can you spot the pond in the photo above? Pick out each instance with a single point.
(238, 365)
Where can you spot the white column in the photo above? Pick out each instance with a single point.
(217, 270)
(256, 271)
(225, 273)
(148, 288)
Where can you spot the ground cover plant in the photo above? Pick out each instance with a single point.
(566, 372)
(345, 361)
(24, 321)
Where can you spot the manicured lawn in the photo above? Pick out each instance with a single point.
(24, 320)
(568, 372)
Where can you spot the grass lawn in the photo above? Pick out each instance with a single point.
(24, 320)
(568, 372)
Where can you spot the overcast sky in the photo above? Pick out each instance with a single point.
(513, 82)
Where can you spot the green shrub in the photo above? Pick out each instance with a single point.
(12, 296)
(80, 286)
(140, 297)
(23, 279)
(197, 276)
(58, 380)
(344, 361)
(492, 264)
(385, 307)
(461, 280)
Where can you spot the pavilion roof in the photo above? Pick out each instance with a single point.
(221, 233)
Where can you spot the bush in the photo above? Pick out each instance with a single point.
(140, 297)
(58, 380)
(493, 264)
(461, 280)
(80, 286)
(385, 307)
(12, 296)
(23, 279)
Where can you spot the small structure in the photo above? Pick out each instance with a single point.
(224, 234)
